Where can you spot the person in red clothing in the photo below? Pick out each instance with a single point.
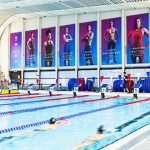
(135, 38)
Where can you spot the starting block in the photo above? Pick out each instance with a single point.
(76, 88)
(136, 90)
(104, 88)
(51, 87)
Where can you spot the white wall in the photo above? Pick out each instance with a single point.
(48, 22)
(31, 24)
(16, 26)
(4, 52)
(134, 72)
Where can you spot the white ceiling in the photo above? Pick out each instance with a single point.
(41, 8)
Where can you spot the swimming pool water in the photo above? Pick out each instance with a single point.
(124, 119)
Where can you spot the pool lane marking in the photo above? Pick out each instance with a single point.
(47, 100)
(121, 127)
(28, 97)
(52, 106)
(68, 117)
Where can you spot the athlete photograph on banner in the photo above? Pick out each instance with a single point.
(138, 39)
(88, 43)
(48, 47)
(67, 45)
(15, 50)
(111, 41)
(31, 48)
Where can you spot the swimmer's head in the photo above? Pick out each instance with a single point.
(52, 121)
(100, 130)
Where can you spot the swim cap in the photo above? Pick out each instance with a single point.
(100, 129)
(52, 121)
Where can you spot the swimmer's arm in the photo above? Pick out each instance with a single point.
(82, 144)
(46, 127)
(89, 141)
(62, 122)
(26, 133)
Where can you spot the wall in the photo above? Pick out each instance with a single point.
(48, 75)
(4, 53)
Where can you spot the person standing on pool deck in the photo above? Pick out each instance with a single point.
(125, 79)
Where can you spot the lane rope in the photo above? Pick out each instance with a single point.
(1, 96)
(28, 97)
(38, 101)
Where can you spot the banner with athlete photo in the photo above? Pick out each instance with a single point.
(138, 39)
(31, 49)
(111, 41)
(67, 45)
(88, 43)
(15, 50)
(48, 47)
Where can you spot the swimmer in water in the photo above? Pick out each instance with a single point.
(92, 138)
(52, 124)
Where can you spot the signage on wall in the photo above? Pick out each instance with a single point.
(31, 49)
(48, 47)
(111, 41)
(15, 50)
(88, 43)
(67, 45)
(138, 39)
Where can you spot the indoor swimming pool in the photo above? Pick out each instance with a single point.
(22, 114)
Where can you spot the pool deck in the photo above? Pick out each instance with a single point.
(89, 93)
